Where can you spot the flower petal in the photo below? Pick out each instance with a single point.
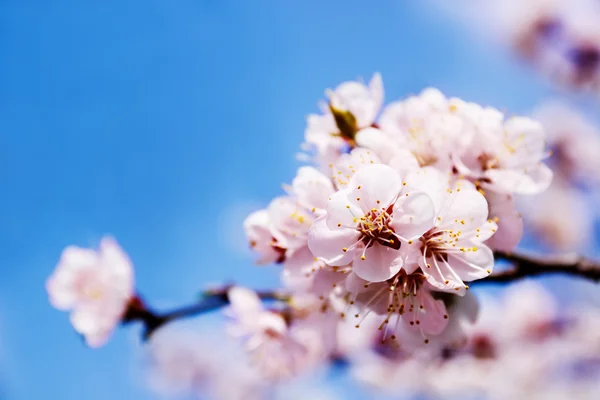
(413, 215)
(375, 186)
(328, 244)
(379, 264)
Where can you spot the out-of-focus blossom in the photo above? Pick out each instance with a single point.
(180, 362)
(574, 141)
(507, 157)
(263, 237)
(278, 349)
(502, 210)
(96, 285)
(525, 339)
(571, 228)
(561, 38)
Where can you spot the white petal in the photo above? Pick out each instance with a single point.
(115, 260)
(522, 181)
(413, 215)
(379, 186)
(343, 212)
(244, 301)
(328, 244)
(464, 208)
(298, 269)
(312, 188)
(379, 142)
(472, 265)
(379, 264)
(510, 222)
(347, 165)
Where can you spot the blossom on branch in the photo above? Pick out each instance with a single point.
(96, 285)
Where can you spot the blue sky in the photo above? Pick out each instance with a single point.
(162, 123)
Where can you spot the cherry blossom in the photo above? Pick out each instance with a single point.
(452, 251)
(368, 221)
(352, 106)
(406, 298)
(570, 229)
(96, 285)
(502, 210)
(264, 238)
(279, 350)
(508, 157)
(574, 141)
(424, 125)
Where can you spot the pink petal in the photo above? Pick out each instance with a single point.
(347, 165)
(379, 186)
(464, 207)
(433, 316)
(510, 222)
(343, 212)
(522, 181)
(472, 265)
(379, 264)
(312, 188)
(328, 244)
(413, 215)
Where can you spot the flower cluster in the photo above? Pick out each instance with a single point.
(560, 37)
(543, 351)
(402, 206)
(575, 144)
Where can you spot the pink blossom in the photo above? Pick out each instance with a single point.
(364, 102)
(96, 286)
(423, 125)
(452, 251)
(508, 157)
(569, 229)
(502, 210)
(406, 298)
(279, 350)
(574, 141)
(323, 134)
(264, 238)
(368, 221)
(347, 164)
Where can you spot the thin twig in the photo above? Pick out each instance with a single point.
(525, 265)
(211, 300)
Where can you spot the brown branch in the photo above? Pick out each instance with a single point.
(525, 265)
(211, 300)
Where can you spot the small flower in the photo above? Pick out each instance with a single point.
(96, 286)
(507, 158)
(574, 141)
(352, 106)
(452, 251)
(424, 124)
(405, 297)
(567, 230)
(347, 165)
(367, 222)
(278, 349)
(264, 238)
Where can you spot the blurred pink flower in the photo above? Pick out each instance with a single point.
(96, 285)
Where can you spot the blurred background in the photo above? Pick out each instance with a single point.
(164, 123)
